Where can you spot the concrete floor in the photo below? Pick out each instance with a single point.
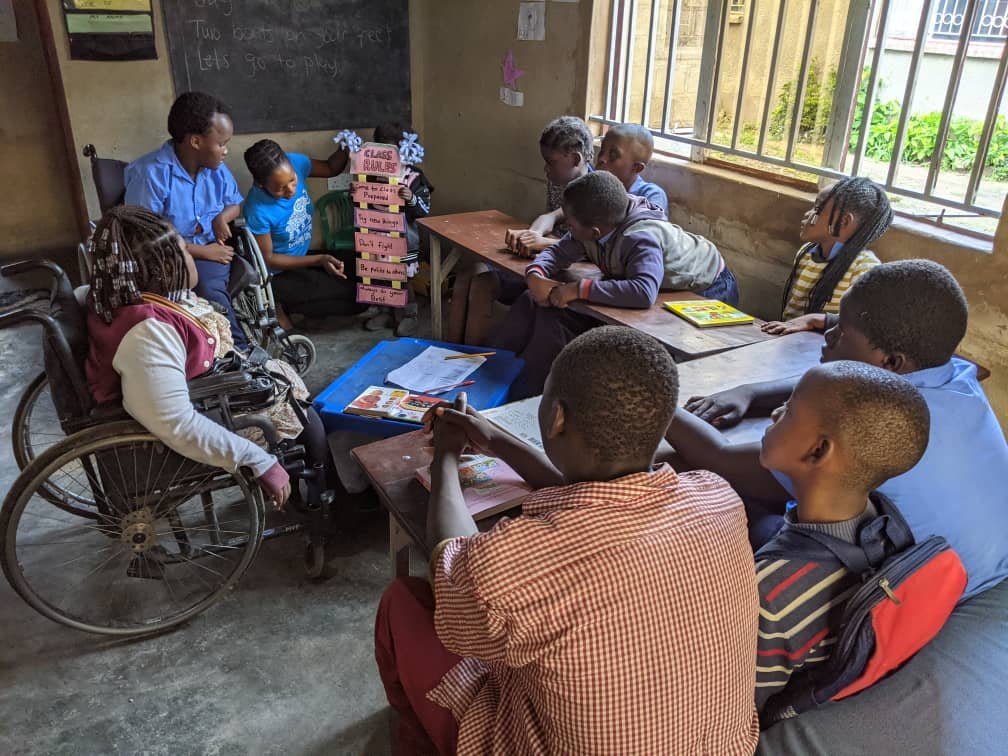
(282, 665)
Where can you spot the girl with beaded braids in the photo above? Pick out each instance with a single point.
(148, 335)
(845, 219)
(278, 211)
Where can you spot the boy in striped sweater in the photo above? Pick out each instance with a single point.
(847, 428)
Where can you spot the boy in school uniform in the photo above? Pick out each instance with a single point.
(616, 614)
(639, 253)
(907, 317)
(847, 428)
(625, 152)
(186, 182)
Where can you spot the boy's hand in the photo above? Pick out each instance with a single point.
(405, 194)
(332, 265)
(531, 244)
(562, 295)
(723, 409)
(218, 253)
(815, 321)
(540, 288)
(221, 229)
(479, 432)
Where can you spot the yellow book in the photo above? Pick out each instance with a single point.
(706, 313)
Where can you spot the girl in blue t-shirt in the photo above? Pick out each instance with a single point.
(278, 211)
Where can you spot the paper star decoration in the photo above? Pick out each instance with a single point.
(511, 72)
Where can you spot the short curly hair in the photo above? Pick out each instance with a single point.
(638, 135)
(911, 306)
(882, 421)
(192, 113)
(619, 389)
(596, 199)
(569, 134)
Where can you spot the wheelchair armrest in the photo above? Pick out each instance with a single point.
(108, 413)
(212, 386)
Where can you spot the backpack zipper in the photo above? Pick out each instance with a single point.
(884, 585)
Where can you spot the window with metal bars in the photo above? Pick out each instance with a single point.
(820, 89)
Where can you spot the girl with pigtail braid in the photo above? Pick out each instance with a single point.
(845, 218)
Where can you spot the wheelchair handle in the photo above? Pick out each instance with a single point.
(59, 287)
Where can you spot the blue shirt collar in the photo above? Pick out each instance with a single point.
(167, 156)
(818, 251)
(941, 375)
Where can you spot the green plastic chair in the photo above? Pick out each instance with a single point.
(336, 216)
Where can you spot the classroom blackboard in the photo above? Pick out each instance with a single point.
(294, 65)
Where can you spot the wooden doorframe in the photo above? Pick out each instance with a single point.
(63, 113)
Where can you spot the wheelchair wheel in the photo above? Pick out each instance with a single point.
(298, 351)
(35, 428)
(170, 536)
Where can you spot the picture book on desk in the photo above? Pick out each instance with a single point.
(392, 404)
(489, 485)
(707, 313)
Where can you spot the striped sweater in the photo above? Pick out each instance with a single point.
(809, 267)
(801, 604)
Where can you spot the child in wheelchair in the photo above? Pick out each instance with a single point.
(148, 335)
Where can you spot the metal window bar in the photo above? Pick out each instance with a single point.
(648, 83)
(990, 121)
(868, 110)
(799, 93)
(628, 71)
(611, 70)
(701, 140)
(737, 120)
(950, 98)
(670, 70)
(989, 25)
(718, 56)
(908, 93)
(774, 57)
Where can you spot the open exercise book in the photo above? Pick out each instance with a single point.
(391, 403)
(520, 419)
(489, 485)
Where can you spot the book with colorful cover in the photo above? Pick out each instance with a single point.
(707, 313)
(489, 486)
(391, 403)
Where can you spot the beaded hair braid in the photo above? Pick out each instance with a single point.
(264, 157)
(870, 206)
(133, 251)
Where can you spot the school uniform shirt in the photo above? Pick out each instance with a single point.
(958, 488)
(809, 266)
(158, 182)
(643, 254)
(611, 617)
(287, 221)
(651, 192)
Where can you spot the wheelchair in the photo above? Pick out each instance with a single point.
(249, 286)
(109, 531)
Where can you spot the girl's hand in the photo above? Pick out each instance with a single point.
(813, 322)
(218, 253)
(333, 266)
(561, 296)
(275, 483)
(405, 194)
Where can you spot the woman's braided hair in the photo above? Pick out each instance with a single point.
(264, 157)
(134, 251)
(870, 207)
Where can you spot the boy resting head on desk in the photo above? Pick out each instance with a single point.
(847, 429)
(907, 317)
(638, 252)
(591, 623)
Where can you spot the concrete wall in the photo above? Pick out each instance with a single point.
(122, 107)
(480, 152)
(37, 212)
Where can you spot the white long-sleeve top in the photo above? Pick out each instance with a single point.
(150, 361)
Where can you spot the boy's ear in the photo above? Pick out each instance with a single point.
(596, 233)
(638, 167)
(578, 157)
(195, 140)
(557, 420)
(896, 362)
(821, 451)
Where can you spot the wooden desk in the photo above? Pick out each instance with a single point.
(390, 464)
(482, 234)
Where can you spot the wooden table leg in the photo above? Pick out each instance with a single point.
(399, 548)
(435, 286)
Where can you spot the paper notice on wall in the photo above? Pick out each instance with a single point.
(511, 97)
(8, 23)
(532, 21)
(108, 5)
